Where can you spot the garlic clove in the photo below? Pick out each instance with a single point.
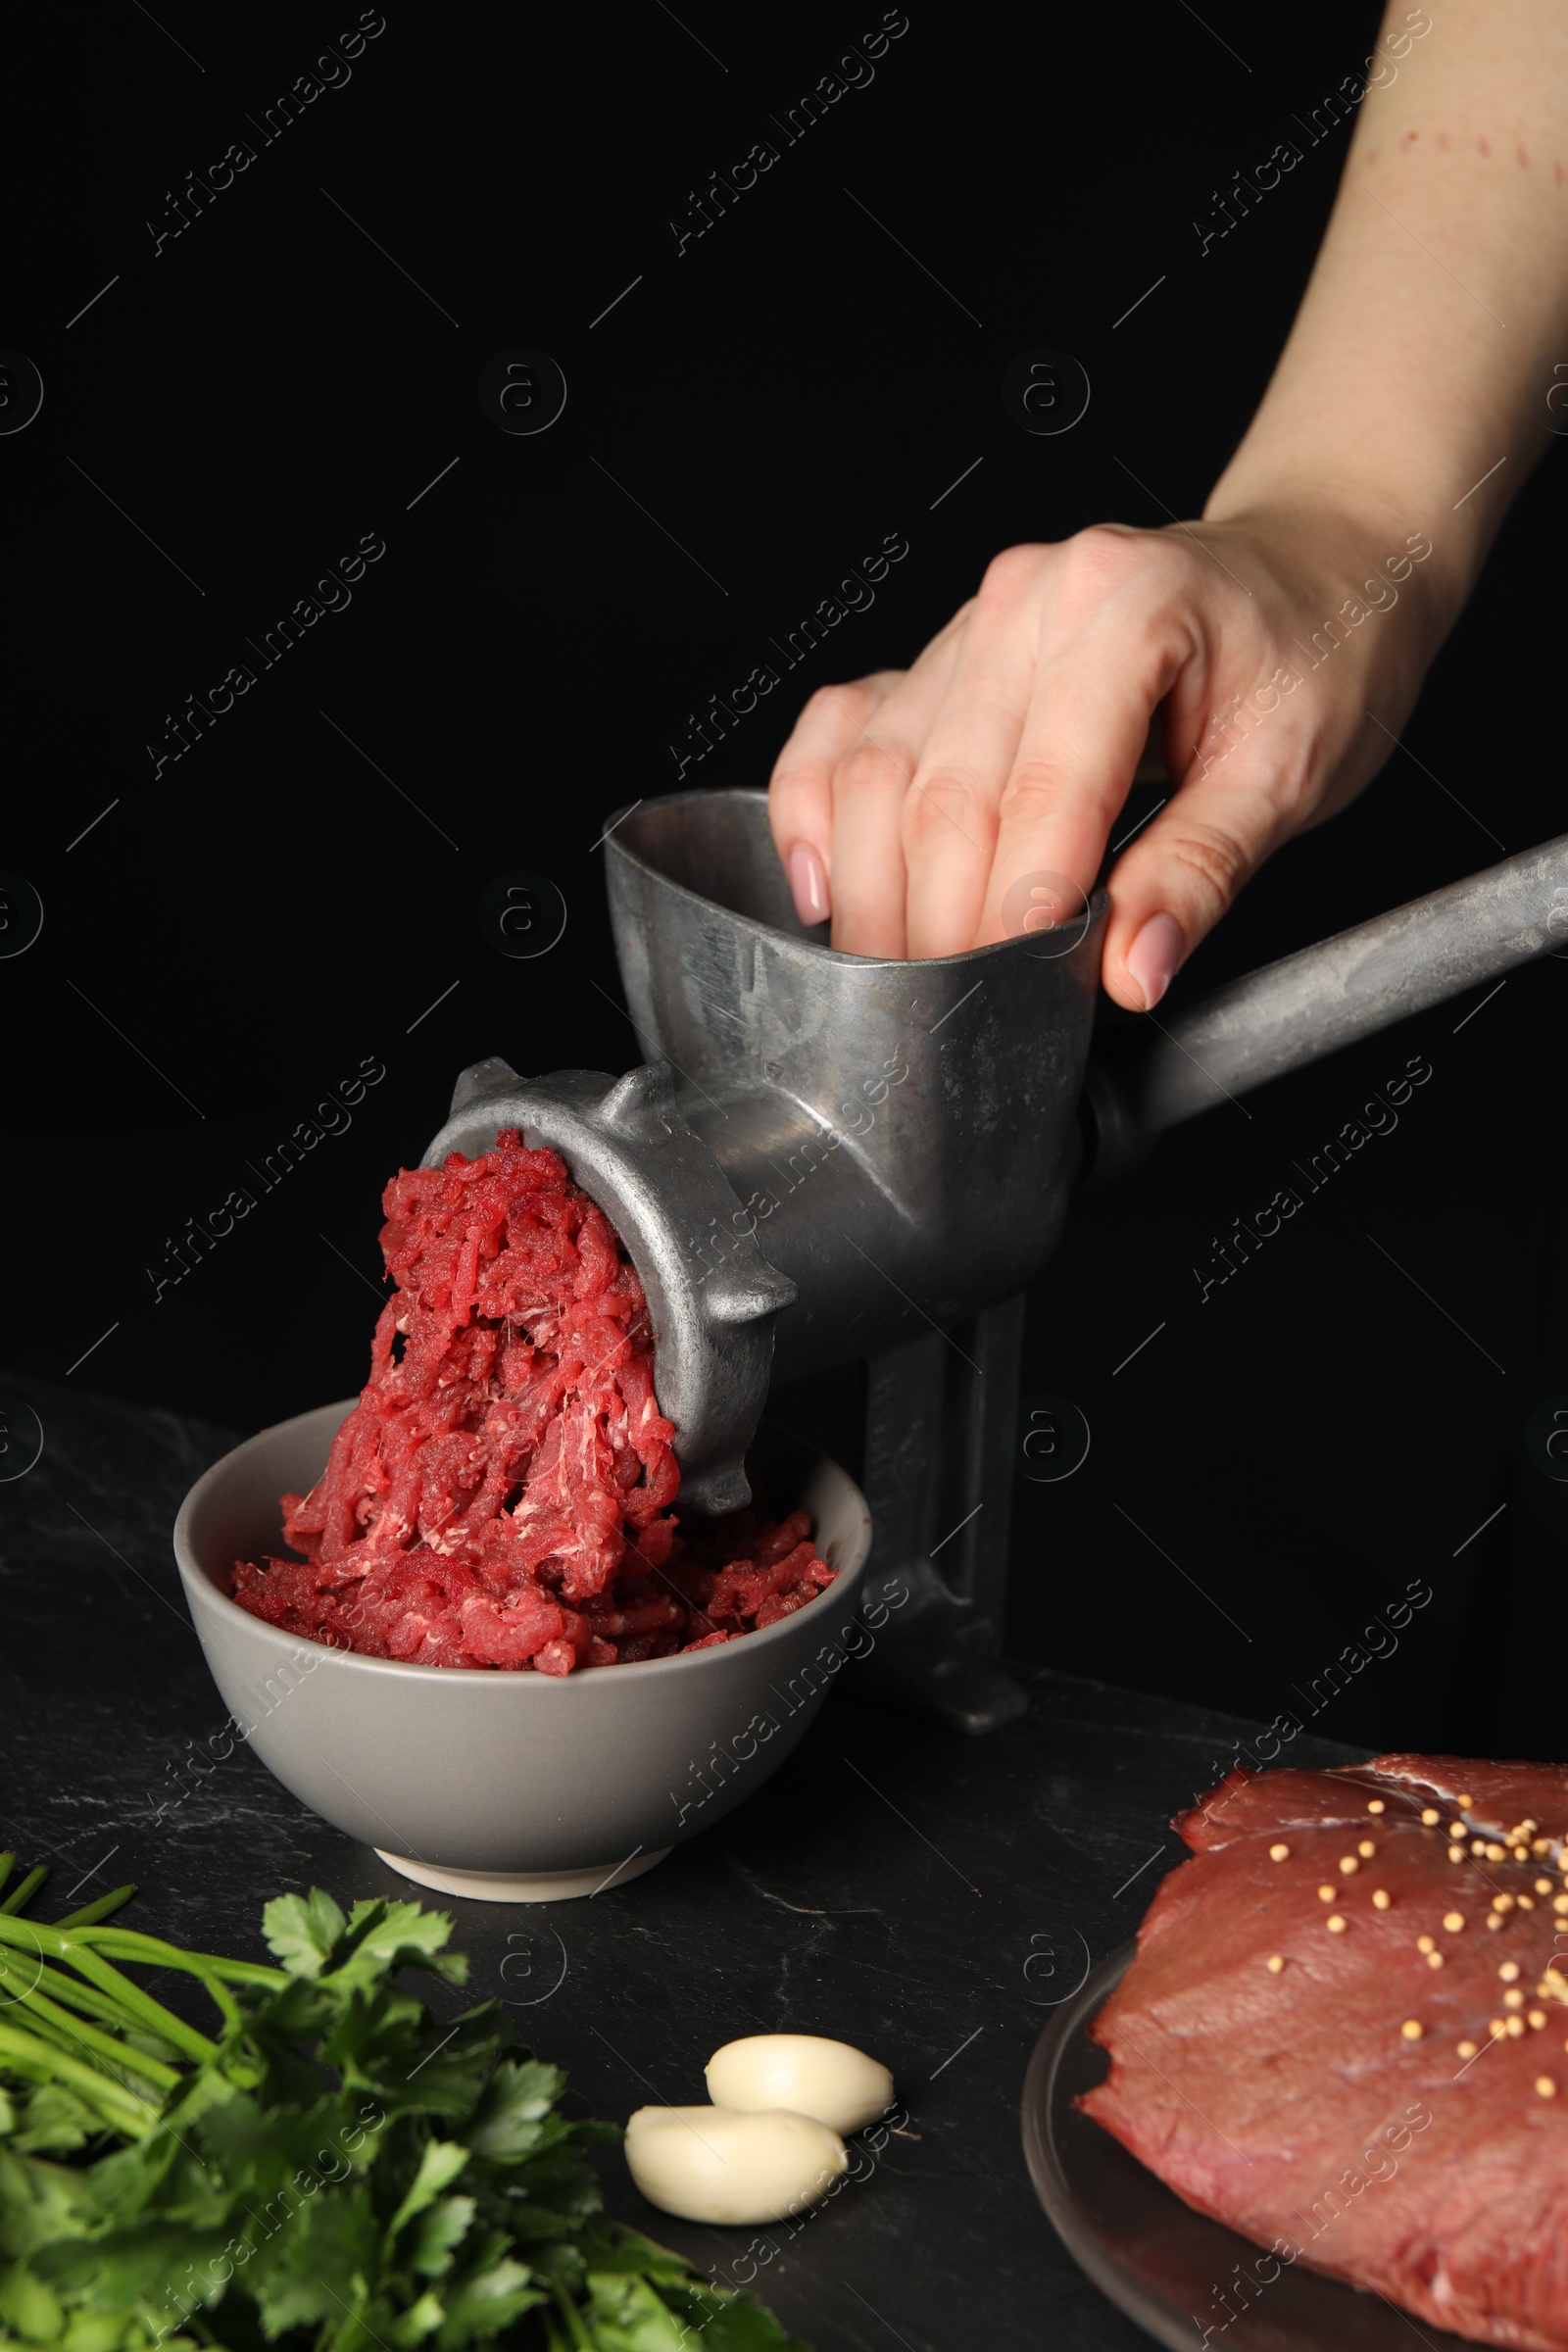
(805, 2073)
(715, 2164)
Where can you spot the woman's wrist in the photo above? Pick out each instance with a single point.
(1363, 542)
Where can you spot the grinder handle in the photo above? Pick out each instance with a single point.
(1313, 1002)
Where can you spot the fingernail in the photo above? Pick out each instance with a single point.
(808, 883)
(1154, 958)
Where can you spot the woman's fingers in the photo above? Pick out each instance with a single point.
(800, 797)
(836, 789)
(1184, 870)
(871, 784)
(1112, 646)
(950, 815)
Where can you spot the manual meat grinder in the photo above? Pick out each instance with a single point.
(828, 1157)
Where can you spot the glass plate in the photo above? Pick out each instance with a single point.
(1166, 2266)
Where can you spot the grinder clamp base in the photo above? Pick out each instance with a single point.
(937, 1479)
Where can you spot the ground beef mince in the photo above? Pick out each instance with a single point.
(1344, 2034)
(501, 1494)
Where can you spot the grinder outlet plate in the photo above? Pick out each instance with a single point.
(1164, 2265)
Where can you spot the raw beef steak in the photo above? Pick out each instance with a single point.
(1345, 2035)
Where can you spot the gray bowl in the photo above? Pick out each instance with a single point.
(511, 1787)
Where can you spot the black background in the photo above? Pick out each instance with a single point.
(241, 928)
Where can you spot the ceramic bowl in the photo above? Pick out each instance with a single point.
(511, 1787)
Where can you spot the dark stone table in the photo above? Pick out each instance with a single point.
(897, 1885)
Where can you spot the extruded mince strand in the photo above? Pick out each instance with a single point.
(501, 1494)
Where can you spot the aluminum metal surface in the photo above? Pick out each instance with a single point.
(901, 1136)
(1325, 996)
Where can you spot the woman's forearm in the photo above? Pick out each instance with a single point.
(1278, 644)
(1413, 388)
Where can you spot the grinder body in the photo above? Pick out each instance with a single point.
(826, 1158)
(901, 1137)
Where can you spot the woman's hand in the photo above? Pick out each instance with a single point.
(1279, 643)
(1275, 653)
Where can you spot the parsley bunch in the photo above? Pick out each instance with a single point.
(332, 2166)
